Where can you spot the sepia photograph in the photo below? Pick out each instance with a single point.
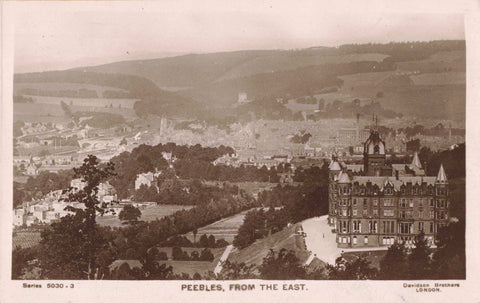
(161, 142)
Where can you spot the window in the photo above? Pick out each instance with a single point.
(387, 202)
(365, 240)
(403, 214)
(364, 202)
(432, 214)
(372, 226)
(442, 203)
(354, 201)
(411, 202)
(431, 227)
(354, 239)
(388, 212)
(431, 203)
(406, 228)
(389, 227)
(344, 212)
(356, 226)
(403, 203)
(375, 202)
(375, 212)
(420, 226)
(354, 212)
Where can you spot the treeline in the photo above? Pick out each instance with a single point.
(297, 203)
(204, 241)
(453, 161)
(207, 171)
(438, 130)
(67, 93)
(147, 158)
(447, 261)
(405, 51)
(173, 191)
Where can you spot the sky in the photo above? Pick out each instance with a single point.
(61, 35)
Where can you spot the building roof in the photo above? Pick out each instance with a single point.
(382, 181)
(355, 167)
(416, 161)
(441, 177)
(334, 165)
(343, 178)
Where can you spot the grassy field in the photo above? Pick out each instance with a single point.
(283, 61)
(57, 86)
(223, 229)
(150, 213)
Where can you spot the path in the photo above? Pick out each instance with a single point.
(321, 241)
(223, 258)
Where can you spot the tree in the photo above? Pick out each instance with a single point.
(449, 258)
(394, 265)
(237, 271)
(206, 255)
(419, 262)
(359, 269)
(195, 231)
(283, 265)
(72, 245)
(130, 214)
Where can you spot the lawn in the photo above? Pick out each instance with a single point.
(226, 228)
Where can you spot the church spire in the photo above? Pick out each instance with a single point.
(441, 177)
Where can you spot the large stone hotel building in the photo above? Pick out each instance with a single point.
(376, 204)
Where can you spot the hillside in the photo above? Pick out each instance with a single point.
(71, 83)
(424, 79)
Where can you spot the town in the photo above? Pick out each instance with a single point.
(333, 179)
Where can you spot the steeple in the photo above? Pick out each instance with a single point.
(441, 177)
(416, 161)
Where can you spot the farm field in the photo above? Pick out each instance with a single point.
(439, 78)
(149, 213)
(37, 112)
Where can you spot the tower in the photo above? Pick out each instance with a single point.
(334, 170)
(374, 156)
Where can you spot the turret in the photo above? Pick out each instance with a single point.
(441, 182)
(441, 177)
(416, 161)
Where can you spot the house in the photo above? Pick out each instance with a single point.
(145, 179)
